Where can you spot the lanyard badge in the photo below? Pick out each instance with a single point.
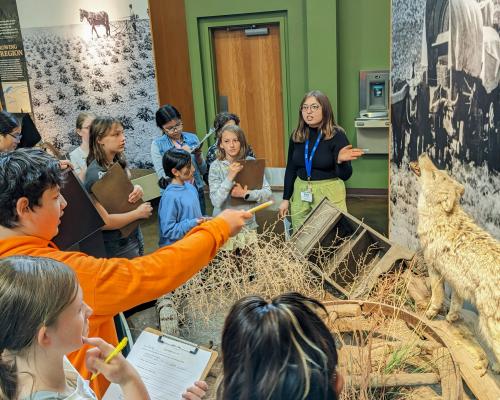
(307, 195)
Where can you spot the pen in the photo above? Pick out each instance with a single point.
(260, 206)
(111, 355)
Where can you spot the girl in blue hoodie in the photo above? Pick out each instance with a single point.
(179, 209)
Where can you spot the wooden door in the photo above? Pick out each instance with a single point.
(248, 72)
(170, 43)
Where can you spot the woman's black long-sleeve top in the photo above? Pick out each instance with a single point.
(324, 163)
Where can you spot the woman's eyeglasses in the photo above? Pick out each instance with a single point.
(307, 107)
(177, 127)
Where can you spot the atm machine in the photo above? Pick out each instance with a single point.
(372, 125)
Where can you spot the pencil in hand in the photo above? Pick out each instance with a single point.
(117, 350)
(261, 206)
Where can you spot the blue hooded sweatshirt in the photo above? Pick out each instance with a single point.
(178, 212)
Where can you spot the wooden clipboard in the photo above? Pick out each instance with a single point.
(213, 356)
(80, 219)
(252, 176)
(167, 365)
(112, 191)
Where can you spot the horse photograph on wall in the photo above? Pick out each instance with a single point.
(445, 102)
(96, 18)
(95, 56)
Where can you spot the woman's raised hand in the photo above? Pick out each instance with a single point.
(348, 153)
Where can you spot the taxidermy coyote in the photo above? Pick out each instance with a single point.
(457, 251)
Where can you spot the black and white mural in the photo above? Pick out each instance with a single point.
(92, 55)
(446, 102)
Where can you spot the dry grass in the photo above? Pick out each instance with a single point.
(381, 345)
(268, 269)
(371, 345)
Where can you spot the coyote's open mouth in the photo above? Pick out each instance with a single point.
(415, 167)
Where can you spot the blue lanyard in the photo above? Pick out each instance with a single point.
(308, 160)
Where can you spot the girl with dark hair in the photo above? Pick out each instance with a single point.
(37, 329)
(278, 350)
(168, 119)
(106, 147)
(78, 156)
(10, 132)
(319, 160)
(179, 210)
(232, 149)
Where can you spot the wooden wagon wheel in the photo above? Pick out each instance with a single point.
(356, 317)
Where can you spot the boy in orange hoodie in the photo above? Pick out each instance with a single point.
(30, 210)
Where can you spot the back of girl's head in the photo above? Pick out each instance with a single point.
(7, 123)
(222, 119)
(277, 350)
(240, 134)
(100, 128)
(166, 114)
(82, 117)
(33, 292)
(173, 158)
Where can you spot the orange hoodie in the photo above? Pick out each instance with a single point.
(114, 285)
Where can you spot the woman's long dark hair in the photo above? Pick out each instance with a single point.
(328, 125)
(277, 350)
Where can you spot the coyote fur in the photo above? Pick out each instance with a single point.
(459, 252)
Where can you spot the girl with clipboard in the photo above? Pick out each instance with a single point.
(232, 151)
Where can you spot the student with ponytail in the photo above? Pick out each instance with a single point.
(278, 349)
(179, 210)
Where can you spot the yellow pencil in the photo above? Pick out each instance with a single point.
(113, 354)
(261, 206)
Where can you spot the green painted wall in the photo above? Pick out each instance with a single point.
(318, 52)
(363, 31)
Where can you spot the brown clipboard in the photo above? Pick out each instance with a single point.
(213, 353)
(251, 176)
(80, 219)
(112, 191)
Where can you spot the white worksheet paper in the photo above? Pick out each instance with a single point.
(167, 369)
